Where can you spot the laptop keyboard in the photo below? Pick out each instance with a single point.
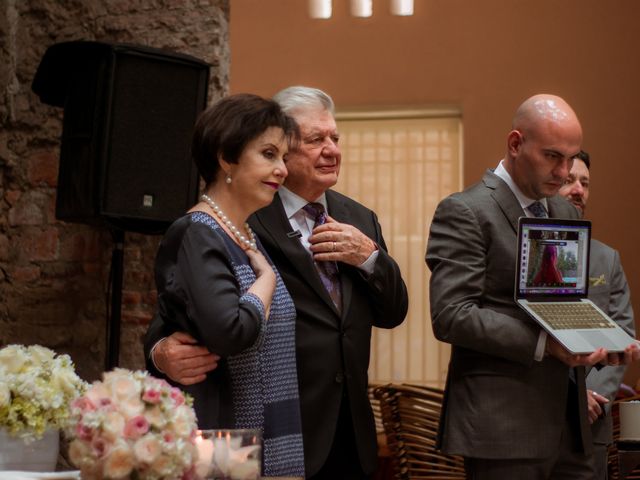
(562, 316)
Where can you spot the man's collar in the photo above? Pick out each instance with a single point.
(523, 200)
(292, 202)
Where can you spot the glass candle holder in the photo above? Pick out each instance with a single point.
(229, 454)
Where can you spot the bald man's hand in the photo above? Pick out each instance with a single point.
(556, 350)
(631, 354)
(181, 359)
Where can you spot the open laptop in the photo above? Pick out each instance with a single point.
(552, 284)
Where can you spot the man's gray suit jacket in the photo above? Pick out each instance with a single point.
(609, 290)
(499, 402)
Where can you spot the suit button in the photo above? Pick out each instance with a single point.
(339, 377)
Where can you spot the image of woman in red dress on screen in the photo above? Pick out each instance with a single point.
(548, 273)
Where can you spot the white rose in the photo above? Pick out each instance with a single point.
(183, 421)
(131, 407)
(66, 381)
(97, 393)
(155, 417)
(5, 394)
(79, 453)
(162, 465)
(147, 449)
(113, 425)
(121, 385)
(119, 462)
(12, 358)
(41, 355)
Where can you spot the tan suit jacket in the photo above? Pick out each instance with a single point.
(609, 290)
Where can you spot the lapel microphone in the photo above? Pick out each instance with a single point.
(294, 234)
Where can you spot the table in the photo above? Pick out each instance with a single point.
(628, 457)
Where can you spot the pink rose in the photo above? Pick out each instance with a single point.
(151, 396)
(84, 432)
(177, 396)
(136, 427)
(100, 447)
(84, 404)
(190, 474)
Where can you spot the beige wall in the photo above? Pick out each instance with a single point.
(484, 56)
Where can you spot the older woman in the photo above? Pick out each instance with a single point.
(215, 281)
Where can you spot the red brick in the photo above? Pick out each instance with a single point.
(92, 267)
(4, 248)
(24, 274)
(42, 168)
(84, 245)
(137, 317)
(137, 277)
(131, 298)
(150, 298)
(132, 253)
(30, 209)
(40, 245)
(12, 196)
(26, 213)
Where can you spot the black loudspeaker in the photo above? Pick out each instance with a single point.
(129, 113)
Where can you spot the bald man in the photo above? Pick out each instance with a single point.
(512, 409)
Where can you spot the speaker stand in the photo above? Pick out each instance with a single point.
(114, 320)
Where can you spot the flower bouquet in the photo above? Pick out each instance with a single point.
(132, 425)
(37, 388)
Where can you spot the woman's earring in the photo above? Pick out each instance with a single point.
(228, 178)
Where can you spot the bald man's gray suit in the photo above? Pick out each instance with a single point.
(609, 290)
(499, 402)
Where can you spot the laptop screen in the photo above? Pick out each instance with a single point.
(553, 257)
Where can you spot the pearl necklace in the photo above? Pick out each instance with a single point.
(244, 241)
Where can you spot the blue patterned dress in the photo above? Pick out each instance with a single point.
(202, 277)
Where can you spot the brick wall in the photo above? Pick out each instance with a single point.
(54, 275)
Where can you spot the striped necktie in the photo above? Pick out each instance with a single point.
(328, 271)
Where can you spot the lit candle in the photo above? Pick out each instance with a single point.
(247, 469)
(205, 455)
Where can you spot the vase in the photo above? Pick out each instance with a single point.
(229, 454)
(37, 456)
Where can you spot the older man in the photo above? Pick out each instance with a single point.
(342, 281)
(608, 288)
(512, 409)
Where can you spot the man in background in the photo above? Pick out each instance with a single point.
(609, 290)
(515, 403)
(342, 281)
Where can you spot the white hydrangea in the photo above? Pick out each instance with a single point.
(36, 390)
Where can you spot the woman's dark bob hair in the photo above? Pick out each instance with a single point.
(225, 128)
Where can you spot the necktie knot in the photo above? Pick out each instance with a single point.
(316, 211)
(538, 210)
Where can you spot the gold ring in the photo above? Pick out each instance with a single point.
(334, 247)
